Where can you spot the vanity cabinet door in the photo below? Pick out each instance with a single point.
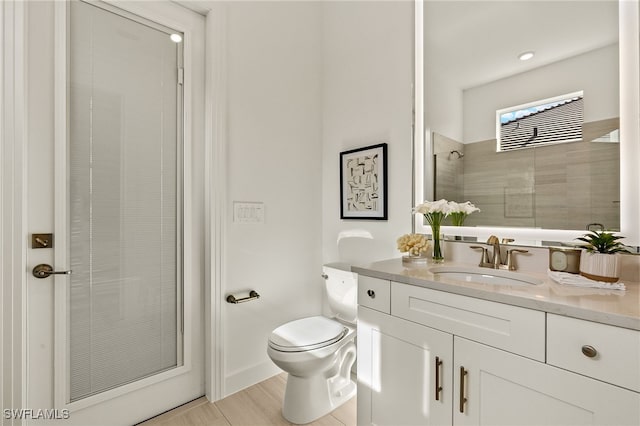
(506, 389)
(397, 372)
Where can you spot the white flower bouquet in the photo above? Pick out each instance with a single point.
(460, 211)
(435, 212)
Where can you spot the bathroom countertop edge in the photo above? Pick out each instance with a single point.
(597, 305)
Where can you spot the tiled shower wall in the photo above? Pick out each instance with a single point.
(564, 186)
(449, 170)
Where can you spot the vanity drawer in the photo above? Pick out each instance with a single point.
(613, 356)
(374, 293)
(512, 328)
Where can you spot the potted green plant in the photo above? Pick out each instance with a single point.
(599, 262)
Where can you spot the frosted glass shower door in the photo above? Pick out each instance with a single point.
(124, 200)
(116, 173)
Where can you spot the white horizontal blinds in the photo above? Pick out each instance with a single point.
(555, 124)
(124, 191)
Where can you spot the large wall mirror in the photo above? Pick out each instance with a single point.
(545, 182)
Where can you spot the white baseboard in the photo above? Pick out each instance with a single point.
(242, 379)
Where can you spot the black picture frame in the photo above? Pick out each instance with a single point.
(363, 183)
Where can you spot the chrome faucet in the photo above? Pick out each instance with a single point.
(494, 260)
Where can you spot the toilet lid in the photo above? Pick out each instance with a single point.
(306, 334)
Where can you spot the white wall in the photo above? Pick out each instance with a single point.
(274, 149)
(307, 80)
(444, 116)
(368, 66)
(595, 72)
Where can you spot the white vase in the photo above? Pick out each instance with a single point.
(600, 266)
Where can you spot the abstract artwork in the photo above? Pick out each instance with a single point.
(363, 183)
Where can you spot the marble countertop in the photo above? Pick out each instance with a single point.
(613, 307)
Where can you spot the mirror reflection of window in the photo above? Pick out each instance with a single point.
(544, 122)
(611, 137)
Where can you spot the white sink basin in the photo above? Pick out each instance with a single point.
(484, 275)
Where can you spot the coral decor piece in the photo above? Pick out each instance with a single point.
(416, 247)
(413, 244)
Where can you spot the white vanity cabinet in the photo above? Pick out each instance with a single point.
(488, 361)
(506, 389)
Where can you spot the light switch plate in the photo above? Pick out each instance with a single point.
(248, 212)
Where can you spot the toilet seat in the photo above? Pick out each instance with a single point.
(307, 334)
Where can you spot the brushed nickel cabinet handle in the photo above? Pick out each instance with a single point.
(463, 400)
(438, 386)
(589, 351)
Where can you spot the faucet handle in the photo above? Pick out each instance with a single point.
(484, 261)
(511, 265)
(493, 240)
(507, 240)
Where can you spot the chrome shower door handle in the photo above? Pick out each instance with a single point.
(44, 271)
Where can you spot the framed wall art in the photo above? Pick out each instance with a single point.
(363, 183)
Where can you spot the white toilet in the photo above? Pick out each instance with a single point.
(318, 353)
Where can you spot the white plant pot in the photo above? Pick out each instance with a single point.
(600, 267)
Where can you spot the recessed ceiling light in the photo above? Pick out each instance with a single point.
(176, 38)
(525, 56)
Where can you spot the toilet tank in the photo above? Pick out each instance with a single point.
(342, 293)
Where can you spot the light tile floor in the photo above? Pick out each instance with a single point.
(258, 405)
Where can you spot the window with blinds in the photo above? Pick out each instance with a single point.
(545, 122)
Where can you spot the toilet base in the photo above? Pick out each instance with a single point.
(308, 398)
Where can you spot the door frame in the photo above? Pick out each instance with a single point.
(13, 191)
(13, 133)
(215, 174)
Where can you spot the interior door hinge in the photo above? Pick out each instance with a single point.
(180, 75)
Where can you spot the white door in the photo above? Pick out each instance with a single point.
(115, 172)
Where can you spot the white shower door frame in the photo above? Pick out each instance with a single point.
(157, 390)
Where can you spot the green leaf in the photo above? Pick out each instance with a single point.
(602, 242)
